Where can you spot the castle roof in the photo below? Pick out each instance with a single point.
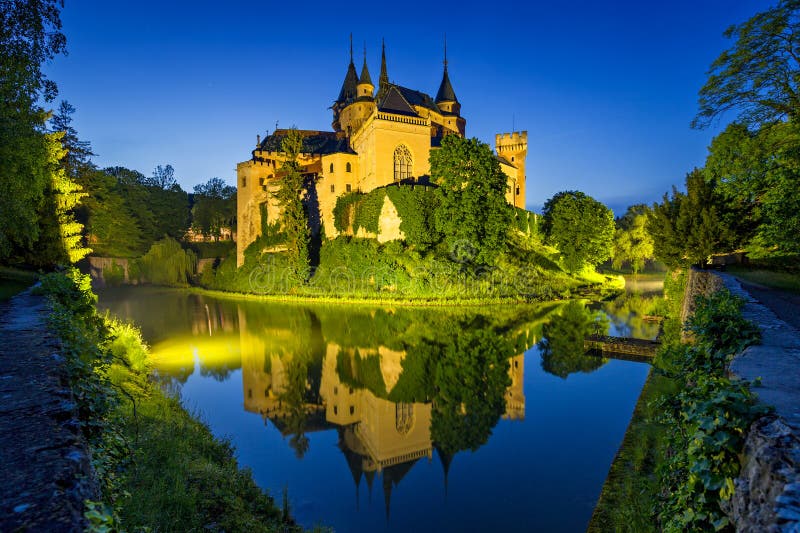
(348, 91)
(314, 142)
(365, 77)
(394, 101)
(446, 92)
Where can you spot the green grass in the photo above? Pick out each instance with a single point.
(628, 499)
(14, 281)
(774, 279)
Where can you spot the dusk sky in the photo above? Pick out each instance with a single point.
(606, 90)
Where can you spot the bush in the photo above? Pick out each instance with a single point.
(708, 417)
(166, 263)
(114, 275)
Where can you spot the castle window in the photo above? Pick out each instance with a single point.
(352, 410)
(512, 158)
(403, 417)
(244, 182)
(402, 163)
(348, 168)
(349, 188)
(331, 168)
(335, 410)
(261, 181)
(517, 191)
(333, 188)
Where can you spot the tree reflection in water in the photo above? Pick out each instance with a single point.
(470, 380)
(563, 336)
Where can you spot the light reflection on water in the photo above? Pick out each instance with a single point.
(397, 419)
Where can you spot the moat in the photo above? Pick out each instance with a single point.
(381, 419)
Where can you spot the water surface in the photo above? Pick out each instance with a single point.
(397, 419)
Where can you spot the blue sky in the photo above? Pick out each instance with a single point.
(606, 90)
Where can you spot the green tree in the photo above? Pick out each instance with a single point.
(78, 158)
(214, 208)
(758, 76)
(758, 177)
(470, 380)
(580, 227)
(29, 185)
(110, 227)
(688, 228)
(632, 242)
(562, 340)
(166, 263)
(472, 209)
(289, 195)
(60, 238)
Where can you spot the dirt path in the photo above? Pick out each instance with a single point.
(42, 455)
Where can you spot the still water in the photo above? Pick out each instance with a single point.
(398, 419)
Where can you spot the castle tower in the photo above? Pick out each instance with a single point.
(446, 97)
(513, 147)
(383, 80)
(349, 90)
(365, 88)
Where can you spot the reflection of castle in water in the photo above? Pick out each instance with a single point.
(376, 435)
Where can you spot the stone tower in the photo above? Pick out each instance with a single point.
(513, 147)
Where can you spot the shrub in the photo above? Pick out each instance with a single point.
(166, 263)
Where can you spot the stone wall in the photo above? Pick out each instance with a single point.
(97, 265)
(698, 283)
(767, 496)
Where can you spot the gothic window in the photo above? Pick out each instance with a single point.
(348, 168)
(403, 417)
(402, 163)
(331, 170)
(333, 188)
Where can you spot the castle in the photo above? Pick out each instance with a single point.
(378, 139)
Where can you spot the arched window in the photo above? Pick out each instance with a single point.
(348, 168)
(403, 417)
(331, 170)
(402, 163)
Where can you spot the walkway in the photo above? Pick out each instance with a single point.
(777, 359)
(42, 455)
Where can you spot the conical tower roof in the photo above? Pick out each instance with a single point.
(348, 91)
(446, 92)
(365, 77)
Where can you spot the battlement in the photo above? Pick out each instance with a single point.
(508, 139)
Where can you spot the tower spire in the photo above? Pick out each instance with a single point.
(383, 80)
(351, 47)
(445, 52)
(365, 77)
(446, 92)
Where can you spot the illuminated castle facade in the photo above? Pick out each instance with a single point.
(379, 138)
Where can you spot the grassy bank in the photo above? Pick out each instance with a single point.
(774, 279)
(681, 450)
(14, 280)
(159, 468)
(359, 270)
